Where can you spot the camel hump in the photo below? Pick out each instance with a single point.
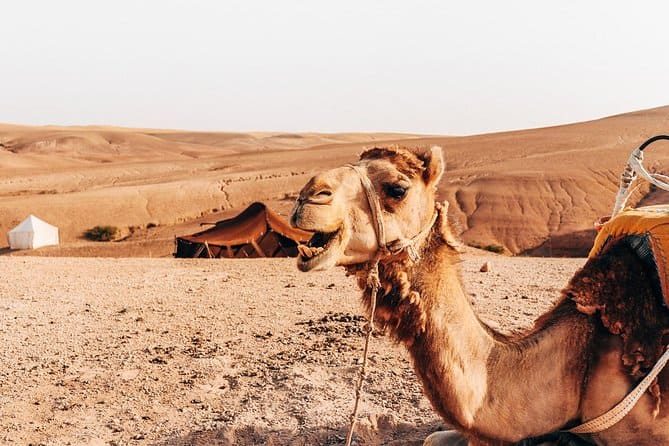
(624, 282)
(646, 231)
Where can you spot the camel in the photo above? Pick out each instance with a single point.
(572, 366)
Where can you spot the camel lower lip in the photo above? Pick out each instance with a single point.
(318, 250)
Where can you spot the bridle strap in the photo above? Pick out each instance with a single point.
(409, 244)
(396, 246)
(373, 279)
(374, 204)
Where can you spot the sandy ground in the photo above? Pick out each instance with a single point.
(208, 352)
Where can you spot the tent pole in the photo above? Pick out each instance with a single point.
(198, 252)
(257, 248)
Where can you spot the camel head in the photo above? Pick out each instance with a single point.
(334, 205)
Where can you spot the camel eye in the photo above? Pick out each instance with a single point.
(394, 190)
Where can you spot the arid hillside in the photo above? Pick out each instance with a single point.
(532, 192)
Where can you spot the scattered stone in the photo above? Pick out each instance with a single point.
(115, 426)
(485, 267)
(265, 336)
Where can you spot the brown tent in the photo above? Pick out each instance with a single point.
(256, 232)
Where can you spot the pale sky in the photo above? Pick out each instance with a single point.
(439, 67)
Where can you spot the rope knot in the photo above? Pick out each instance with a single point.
(373, 278)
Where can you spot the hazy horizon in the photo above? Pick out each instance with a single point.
(428, 67)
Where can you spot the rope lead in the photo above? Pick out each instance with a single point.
(373, 282)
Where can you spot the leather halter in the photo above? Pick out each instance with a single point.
(373, 280)
(395, 246)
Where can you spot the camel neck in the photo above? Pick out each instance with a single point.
(477, 380)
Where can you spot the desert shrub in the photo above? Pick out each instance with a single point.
(151, 225)
(101, 233)
(495, 248)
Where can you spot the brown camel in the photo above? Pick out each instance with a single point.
(493, 389)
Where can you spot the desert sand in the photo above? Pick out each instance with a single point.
(219, 352)
(551, 182)
(103, 349)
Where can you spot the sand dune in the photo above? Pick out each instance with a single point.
(532, 191)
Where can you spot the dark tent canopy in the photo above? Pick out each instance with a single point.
(256, 232)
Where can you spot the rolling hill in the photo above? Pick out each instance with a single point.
(531, 192)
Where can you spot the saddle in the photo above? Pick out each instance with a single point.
(646, 231)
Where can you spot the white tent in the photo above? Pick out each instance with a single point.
(32, 233)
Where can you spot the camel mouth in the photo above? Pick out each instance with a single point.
(319, 251)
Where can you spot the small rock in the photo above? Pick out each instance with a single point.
(485, 267)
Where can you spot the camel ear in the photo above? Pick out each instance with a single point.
(434, 165)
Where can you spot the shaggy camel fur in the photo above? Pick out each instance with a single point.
(492, 389)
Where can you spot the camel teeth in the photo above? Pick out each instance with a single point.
(309, 252)
(315, 251)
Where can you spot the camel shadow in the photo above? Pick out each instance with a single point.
(328, 436)
(250, 435)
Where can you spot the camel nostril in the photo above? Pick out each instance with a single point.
(321, 196)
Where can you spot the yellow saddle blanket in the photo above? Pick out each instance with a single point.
(646, 230)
